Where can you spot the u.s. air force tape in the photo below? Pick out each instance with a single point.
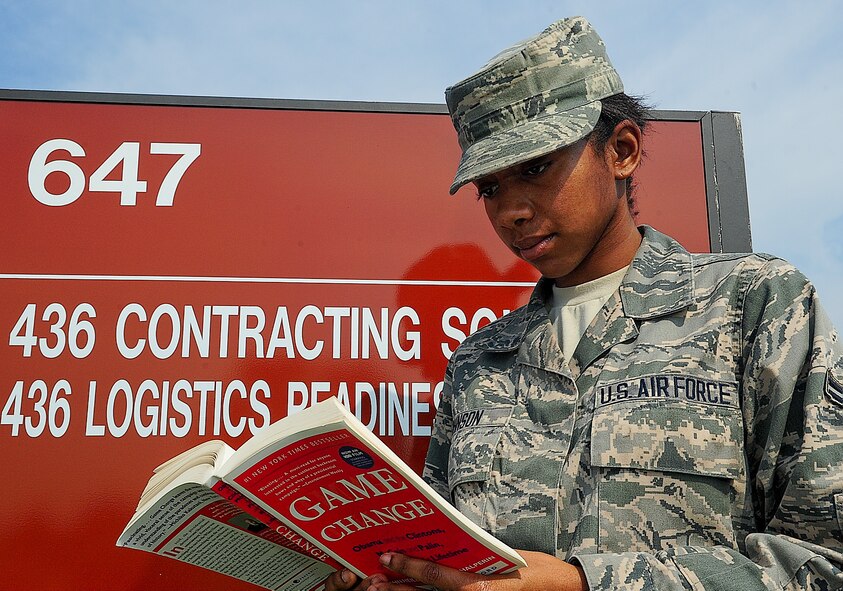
(668, 387)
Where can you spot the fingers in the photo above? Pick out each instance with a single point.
(345, 580)
(341, 580)
(422, 571)
(542, 573)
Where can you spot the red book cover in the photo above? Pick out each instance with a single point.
(347, 498)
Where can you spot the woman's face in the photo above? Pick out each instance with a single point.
(564, 213)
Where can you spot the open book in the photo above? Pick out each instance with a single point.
(310, 493)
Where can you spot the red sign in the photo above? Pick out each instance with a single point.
(177, 273)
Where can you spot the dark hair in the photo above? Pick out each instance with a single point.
(617, 108)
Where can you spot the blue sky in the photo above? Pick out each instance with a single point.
(780, 64)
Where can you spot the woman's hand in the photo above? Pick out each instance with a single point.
(542, 573)
(345, 580)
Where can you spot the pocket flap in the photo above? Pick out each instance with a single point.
(473, 446)
(669, 436)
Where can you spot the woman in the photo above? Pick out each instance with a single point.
(652, 418)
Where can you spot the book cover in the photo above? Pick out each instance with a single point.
(356, 504)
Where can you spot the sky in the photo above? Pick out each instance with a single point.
(779, 64)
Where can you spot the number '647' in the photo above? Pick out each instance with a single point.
(128, 185)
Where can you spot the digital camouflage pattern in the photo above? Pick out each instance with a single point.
(531, 99)
(694, 441)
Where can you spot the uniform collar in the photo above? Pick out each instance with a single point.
(659, 282)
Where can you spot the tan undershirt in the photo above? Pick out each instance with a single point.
(573, 308)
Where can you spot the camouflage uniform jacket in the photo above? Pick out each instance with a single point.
(694, 441)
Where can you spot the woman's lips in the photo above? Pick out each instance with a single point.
(535, 246)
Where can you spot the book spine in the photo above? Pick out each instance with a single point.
(286, 536)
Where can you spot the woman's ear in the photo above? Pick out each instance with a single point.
(624, 149)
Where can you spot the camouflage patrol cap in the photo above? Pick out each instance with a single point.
(531, 99)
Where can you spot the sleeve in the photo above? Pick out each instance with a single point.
(792, 397)
(436, 463)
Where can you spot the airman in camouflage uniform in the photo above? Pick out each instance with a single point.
(694, 439)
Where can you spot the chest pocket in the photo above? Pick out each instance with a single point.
(471, 460)
(667, 473)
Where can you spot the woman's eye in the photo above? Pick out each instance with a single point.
(486, 191)
(536, 169)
